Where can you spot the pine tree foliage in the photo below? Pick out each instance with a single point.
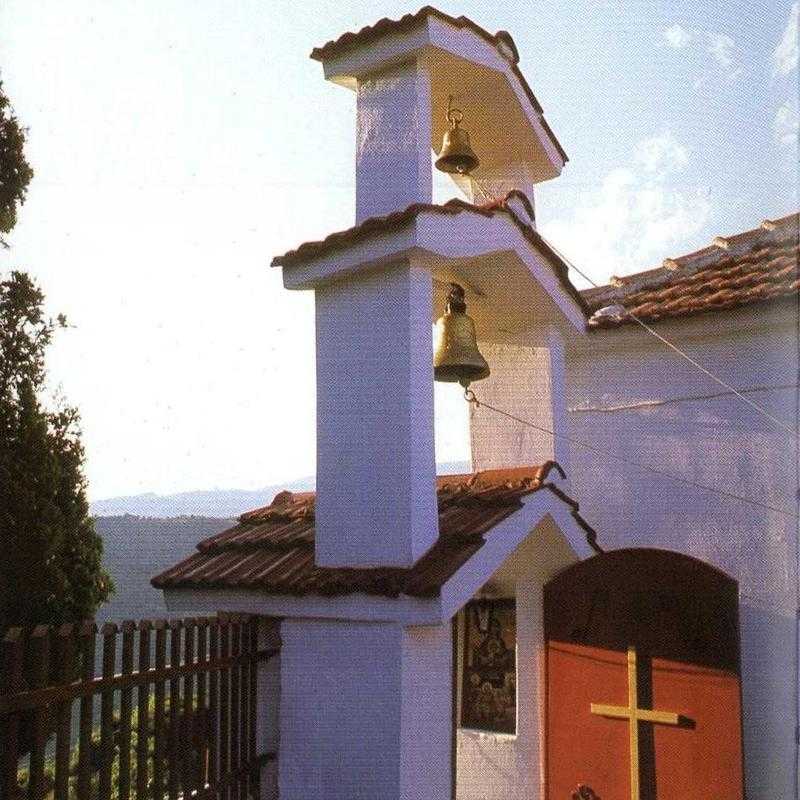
(51, 570)
(50, 562)
(15, 172)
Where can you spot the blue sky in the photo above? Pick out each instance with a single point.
(179, 145)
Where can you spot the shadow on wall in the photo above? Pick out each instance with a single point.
(769, 694)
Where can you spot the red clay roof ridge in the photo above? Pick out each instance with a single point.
(770, 231)
(502, 40)
(399, 219)
(288, 503)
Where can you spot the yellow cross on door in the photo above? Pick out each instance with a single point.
(634, 715)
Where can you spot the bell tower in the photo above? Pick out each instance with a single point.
(408, 75)
(376, 284)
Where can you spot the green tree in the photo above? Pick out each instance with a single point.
(51, 569)
(15, 172)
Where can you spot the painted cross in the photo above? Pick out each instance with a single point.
(634, 714)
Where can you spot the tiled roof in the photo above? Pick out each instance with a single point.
(272, 549)
(502, 40)
(375, 226)
(750, 267)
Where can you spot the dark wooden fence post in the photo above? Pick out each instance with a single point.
(142, 703)
(254, 782)
(213, 704)
(173, 775)
(189, 734)
(158, 712)
(235, 706)
(11, 683)
(107, 732)
(65, 657)
(88, 634)
(39, 672)
(125, 712)
(224, 708)
(202, 709)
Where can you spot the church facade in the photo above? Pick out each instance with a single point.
(486, 635)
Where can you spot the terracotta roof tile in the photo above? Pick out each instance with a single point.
(754, 266)
(271, 549)
(502, 40)
(375, 226)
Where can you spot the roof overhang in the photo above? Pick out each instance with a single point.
(505, 120)
(514, 282)
(547, 522)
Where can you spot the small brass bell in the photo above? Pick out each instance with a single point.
(456, 154)
(456, 358)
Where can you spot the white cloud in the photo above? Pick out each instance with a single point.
(721, 46)
(784, 57)
(638, 215)
(677, 36)
(662, 153)
(786, 124)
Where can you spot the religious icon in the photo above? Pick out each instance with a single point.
(489, 696)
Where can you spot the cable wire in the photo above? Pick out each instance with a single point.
(472, 399)
(779, 422)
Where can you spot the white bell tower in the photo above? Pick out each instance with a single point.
(376, 503)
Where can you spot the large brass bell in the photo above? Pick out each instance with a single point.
(456, 358)
(456, 154)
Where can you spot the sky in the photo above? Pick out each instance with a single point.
(179, 144)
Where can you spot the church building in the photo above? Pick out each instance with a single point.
(606, 606)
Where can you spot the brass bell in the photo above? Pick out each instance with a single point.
(456, 154)
(456, 358)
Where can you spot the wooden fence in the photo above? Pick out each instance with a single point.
(178, 702)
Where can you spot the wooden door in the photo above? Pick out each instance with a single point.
(643, 686)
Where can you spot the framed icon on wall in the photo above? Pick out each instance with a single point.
(489, 689)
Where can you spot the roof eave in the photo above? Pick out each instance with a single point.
(390, 42)
(435, 235)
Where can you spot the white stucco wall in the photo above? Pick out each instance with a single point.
(375, 439)
(722, 443)
(528, 379)
(365, 711)
(509, 767)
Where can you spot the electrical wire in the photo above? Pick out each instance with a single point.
(472, 399)
(779, 422)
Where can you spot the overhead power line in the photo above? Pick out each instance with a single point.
(733, 390)
(472, 399)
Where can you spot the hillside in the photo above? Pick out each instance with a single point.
(136, 548)
(226, 503)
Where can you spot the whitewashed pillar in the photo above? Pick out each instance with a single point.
(393, 144)
(365, 711)
(376, 465)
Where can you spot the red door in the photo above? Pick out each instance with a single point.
(643, 690)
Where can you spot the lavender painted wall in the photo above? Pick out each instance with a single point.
(365, 711)
(613, 379)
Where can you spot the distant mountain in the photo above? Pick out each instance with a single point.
(222, 503)
(147, 533)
